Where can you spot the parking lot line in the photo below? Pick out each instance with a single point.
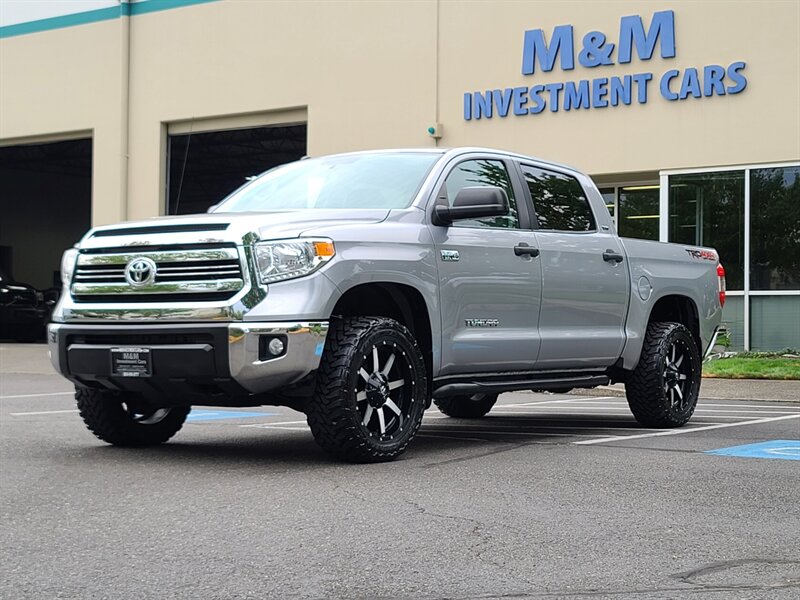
(563, 401)
(43, 412)
(618, 438)
(451, 437)
(273, 424)
(37, 395)
(280, 427)
(699, 410)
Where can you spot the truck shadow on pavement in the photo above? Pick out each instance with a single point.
(438, 441)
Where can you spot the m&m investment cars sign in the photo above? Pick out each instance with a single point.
(601, 92)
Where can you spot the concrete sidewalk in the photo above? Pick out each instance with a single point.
(33, 359)
(25, 358)
(726, 389)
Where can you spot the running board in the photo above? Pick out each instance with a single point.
(496, 387)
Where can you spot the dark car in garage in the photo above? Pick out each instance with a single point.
(24, 310)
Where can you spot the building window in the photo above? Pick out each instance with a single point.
(610, 199)
(638, 212)
(707, 209)
(634, 210)
(775, 229)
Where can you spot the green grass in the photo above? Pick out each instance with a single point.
(752, 366)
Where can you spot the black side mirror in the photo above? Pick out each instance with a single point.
(473, 203)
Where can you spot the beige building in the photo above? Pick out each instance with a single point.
(687, 114)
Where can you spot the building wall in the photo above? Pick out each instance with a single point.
(69, 83)
(377, 74)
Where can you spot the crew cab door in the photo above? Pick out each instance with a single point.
(584, 276)
(489, 276)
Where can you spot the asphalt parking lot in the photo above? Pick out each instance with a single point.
(549, 496)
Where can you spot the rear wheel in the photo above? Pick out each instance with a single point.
(371, 390)
(662, 391)
(126, 420)
(466, 407)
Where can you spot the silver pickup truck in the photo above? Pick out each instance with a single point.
(359, 288)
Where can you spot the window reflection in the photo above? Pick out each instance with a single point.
(482, 173)
(707, 209)
(775, 229)
(558, 200)
(638, 212)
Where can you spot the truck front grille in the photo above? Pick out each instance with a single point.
(211, 272)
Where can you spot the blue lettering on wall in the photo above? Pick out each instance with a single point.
(502, 100)
(595, 50)
(690, 85)
(601, 92)
(665, 79)
(539, 103)
(534, 47)
(641, 80)
(520, 99)
(734, 72)
(631, 33)
(620, 88)
(712, 80)
(576, 95)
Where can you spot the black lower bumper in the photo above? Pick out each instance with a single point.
(189, 362)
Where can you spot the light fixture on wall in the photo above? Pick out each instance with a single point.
(435, 131)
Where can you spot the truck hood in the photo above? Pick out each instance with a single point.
(225, 227)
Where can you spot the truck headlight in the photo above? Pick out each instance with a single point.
(286, 259)
(68, 265)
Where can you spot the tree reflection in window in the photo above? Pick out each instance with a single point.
(559, 201)
(775, 229)
(483, 173)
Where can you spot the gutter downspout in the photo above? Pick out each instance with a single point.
(125, 85)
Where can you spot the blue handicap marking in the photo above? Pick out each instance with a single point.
(218, 415)
(784, 449)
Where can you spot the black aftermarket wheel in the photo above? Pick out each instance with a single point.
(663, 389)
(124, 420)
(371, 390)
(466, 407)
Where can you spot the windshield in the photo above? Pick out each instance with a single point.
(386, 180)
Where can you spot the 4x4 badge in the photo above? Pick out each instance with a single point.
(449, 255)
(140, 272)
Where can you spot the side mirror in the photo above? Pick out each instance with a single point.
(473, 203)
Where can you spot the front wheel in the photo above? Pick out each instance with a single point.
(466, 407)
(124, 420)
(371, 390)
(662, 391)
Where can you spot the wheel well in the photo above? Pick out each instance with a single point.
(396, 301)
(678, 309)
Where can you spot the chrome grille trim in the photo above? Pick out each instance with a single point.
(172, 287)
(212, 273)
(124, 257)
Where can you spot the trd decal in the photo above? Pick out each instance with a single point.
(702, 254)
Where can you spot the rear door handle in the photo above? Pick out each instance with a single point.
(523, 248)
(611, 256)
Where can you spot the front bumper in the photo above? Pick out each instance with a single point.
(190, 360)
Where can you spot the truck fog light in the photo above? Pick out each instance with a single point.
(276, 346)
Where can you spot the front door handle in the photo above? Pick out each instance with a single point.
(611, 256)
(523, 248)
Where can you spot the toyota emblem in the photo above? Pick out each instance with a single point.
(140, 272)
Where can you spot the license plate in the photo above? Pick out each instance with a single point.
(131, 362)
